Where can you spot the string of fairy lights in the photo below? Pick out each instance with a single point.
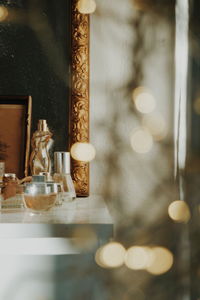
(155, 260)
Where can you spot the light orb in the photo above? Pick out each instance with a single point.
(161, 262)
(83, 152)
(86, 6)
(144, 101)
(141, 141)
(138, 258)
(179, 211)
(110, 255)
(84, 238)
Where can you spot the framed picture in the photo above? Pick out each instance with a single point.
(45, 54)
(15, 127)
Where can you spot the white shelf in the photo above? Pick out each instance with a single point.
(52, 232)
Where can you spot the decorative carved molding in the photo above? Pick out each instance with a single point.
(79, 111)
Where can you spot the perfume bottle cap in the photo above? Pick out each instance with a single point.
(53, 187)
(36, 188)
(47, 176)
(62, 162)
(38, 178)
(42, 125)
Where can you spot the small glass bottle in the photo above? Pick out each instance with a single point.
(39, 196)
(10, 185)
(62, 175)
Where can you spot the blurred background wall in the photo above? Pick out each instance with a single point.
(130, 48)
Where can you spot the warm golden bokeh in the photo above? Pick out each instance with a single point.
(84, 238)
(86, 6)
(161, 261)
(83, 152)
(138, 258)
(141, 140)
(179, 211)
(110, 255)
(144, 101)
(155, 260)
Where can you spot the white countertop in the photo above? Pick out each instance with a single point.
(51, 233)
(57, 222)
(81, 210)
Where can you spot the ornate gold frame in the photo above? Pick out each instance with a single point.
(79, 110)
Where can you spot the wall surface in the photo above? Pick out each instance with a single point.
(27, 277)
(34, 59)
(126, 178)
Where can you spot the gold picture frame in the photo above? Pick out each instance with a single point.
(79, 111)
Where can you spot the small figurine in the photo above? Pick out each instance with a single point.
(41, 143)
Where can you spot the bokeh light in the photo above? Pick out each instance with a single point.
(156, 124)
(83, 152)
(84, 238)
(86, 6)
(144, 100)
(110, 255)
(179, 211)
(138, 258)
(161, 261)
(141, 140)
(3, 13)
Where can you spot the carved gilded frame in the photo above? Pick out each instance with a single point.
(79, 110)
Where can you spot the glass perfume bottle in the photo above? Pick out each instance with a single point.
(62, 176)
(39, 195)
(41, 143)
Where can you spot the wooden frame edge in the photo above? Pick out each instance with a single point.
(28, 136)
(79, 111)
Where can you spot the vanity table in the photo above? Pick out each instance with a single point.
(43, 249)
(56, 227)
